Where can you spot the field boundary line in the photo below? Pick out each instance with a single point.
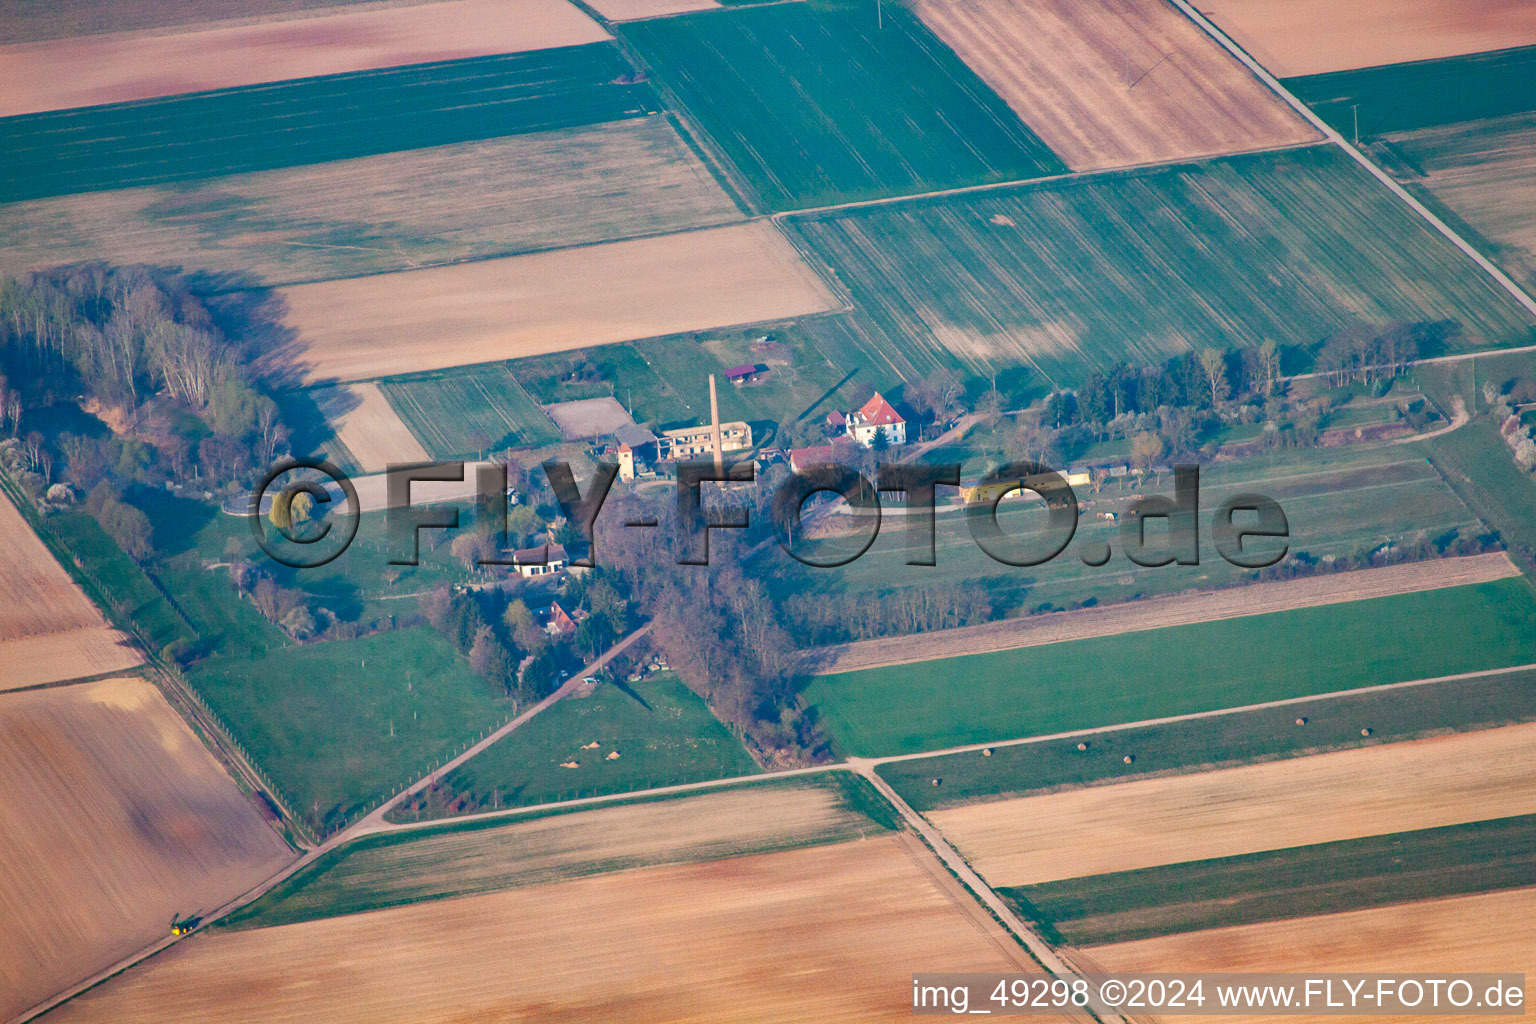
(1140, 616)
(1519, 294)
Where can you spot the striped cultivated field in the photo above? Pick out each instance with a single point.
(365, 423)
(815, 106)
(312, 120)
(1159, 613)
(470, 411)
(1292, 246)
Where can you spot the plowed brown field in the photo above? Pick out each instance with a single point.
(548, 302)
(1347, 794)
(1308, 37)
(830, 933)
(113, 818)
(1114, 82)
(48, 630)
(115, 68)
(1489, 932)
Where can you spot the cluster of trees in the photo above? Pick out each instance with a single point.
(507, 646)
(816, 619)
(1362, 355)
(1449, 544)
(718, 627)
(1506, 406)
(136, 348)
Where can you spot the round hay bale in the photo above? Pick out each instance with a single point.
(1082, 746)
(986, 752)
(1366, 731)
(1129, 759)
(937, 781)
(1301, 721)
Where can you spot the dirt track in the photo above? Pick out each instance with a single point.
(1346, 794)
(1114, 83)
(829, 933)
(1307, 37)
(89, 70)
(1157, 613)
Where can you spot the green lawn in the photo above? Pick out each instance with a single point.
(313, 120)
(664, 735)
(1242, 737)
(1327, 878)
(466, 413)
(1291, 246)
(445, 861)
(1181, 669)
(1420, 94)
(339, 724)
(817, 106)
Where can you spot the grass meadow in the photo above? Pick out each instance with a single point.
(1242, 737)
(815, 106)
(906, 709)
(1292, 246)
(312, 120)
(460, 413)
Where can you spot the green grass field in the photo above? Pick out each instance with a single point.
(1042, 275)
(1339, 502)
(311, 120)
(815, 107)
(1242, 737)
(1107, 680)
(1327, 878)
(341, 723)
(664, 733)
(468, 412)
(1421, 94)
(445, 861)
(496, 197)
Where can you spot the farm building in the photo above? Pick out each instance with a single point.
(548, 560)
(635, 448)
(876, 415)
(690, 442)
(739, 375)
(556, 620)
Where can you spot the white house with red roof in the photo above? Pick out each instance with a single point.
(876, 415)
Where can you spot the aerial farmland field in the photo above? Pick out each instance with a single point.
(640, 946)
(1345, 794)
(1306, 37)
(91, 70)
(1484, 173)
(1229, 663)
(1405, 97)
(469, 412)
(367, 426)
(393, 211)
(1463, 933)
(820, 106)
(438, 862)
(1039, 275)
(116, 820)
(1109, 85)
(288, 124)
(547, 302)
(1324, 878)
(49, 631)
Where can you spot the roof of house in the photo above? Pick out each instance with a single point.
(539, 555)
(877, 412)
(835, 418)
(634, 436)
(812, 455)
(741, 371)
